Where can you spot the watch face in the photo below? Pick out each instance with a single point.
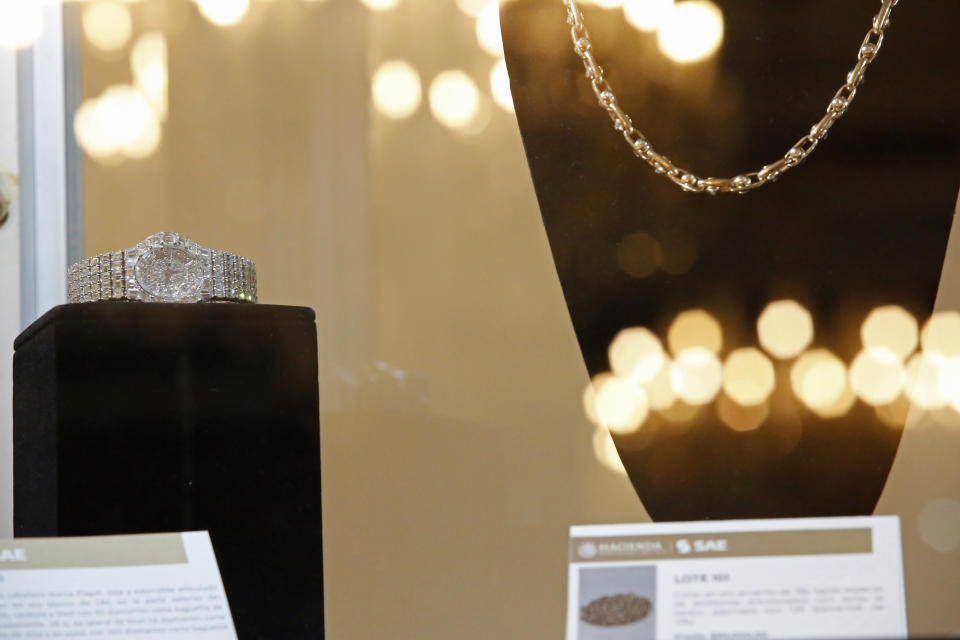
(170, 273)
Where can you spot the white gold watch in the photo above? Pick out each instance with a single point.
(166, 267)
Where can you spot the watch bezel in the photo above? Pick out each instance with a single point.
(168, 239)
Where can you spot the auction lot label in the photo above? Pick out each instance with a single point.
(743, 579)
(141, 586)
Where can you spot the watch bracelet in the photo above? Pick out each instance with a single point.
(109, 276)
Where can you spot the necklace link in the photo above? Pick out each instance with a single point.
(688, 181)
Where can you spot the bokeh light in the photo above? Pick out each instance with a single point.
(941, 334)
(678, 254)
(589, 399)
(454, 99)
(223, 12)
(819, 379)
(939, 524)
(691, 31)
(681, 413)
(488, 29)
(696, 375)
(785, 328)
(21, 23)
(894, 414)
(500, 86)
(120, 123)
(608, 4)
(107, 25)
(695, 329)
(148, 61)
(396, 89)
(892, 328)
(923, 381)
(472, 7)
(639, 254)
(748, 377)
(606, 451)
(380, 5)
(636, 353)
(739, 417)
(839, 407)
(647, 15)
(660, 393)
(621, 405)
(949, 380)
(877, 375)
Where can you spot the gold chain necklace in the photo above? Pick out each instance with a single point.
(688, 181)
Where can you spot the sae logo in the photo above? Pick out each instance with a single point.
(685, 546)
(13, 555)
(587, 550)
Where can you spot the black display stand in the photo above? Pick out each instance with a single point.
(135, 418)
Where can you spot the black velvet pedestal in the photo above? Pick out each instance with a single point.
(132, 418)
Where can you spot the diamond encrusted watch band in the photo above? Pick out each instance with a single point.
(186, 271)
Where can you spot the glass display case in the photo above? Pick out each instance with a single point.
(787, 352)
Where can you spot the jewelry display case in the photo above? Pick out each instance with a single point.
(521, 328)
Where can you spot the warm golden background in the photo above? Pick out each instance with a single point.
(455, 448)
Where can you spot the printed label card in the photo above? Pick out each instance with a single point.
(142, 586)
(743, 579)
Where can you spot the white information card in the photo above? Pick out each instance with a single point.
(738, 579)
(142, 586)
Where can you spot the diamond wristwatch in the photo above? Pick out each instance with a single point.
(166, 267)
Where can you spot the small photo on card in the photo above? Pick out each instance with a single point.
(618, 602)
